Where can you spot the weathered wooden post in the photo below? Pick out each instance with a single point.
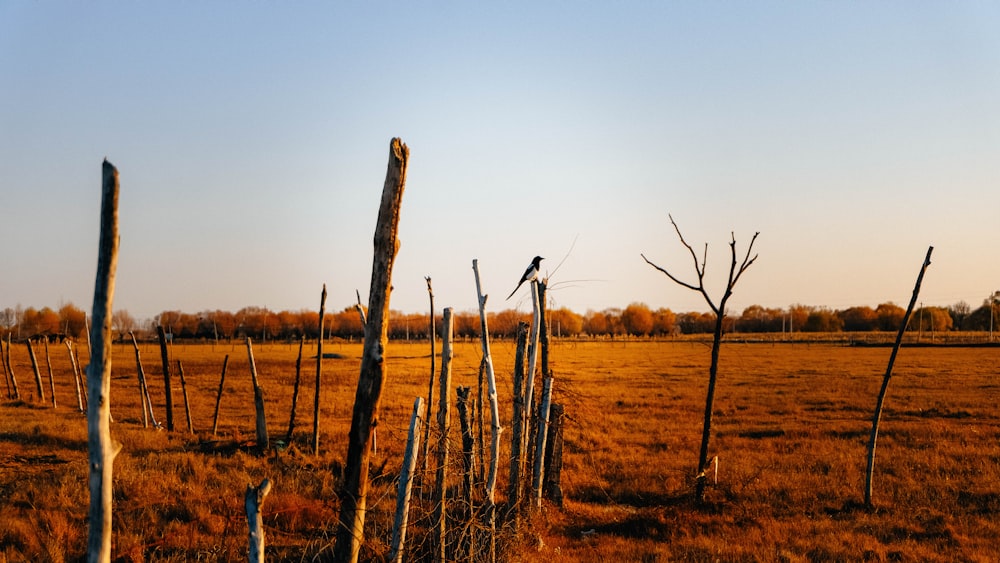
(873, 438)
(167, 388)
(252, 501)
(553, 455)
(354, 495)
(48, 366)
(517, 428)
(295, 389)
(147, 402)
(405, 487)
(491, 480)
(319, 372)
(258, 402)
(529, 376)
(34, 368)
(10, 370)
(101, 449)
(184, 392)
(430, 389)
(444, 425)
(543, 426)
(76, 374)
(3, 364)
(218, 398)
(464, 404)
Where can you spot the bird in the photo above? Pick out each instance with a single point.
(530, 274)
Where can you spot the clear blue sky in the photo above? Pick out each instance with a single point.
(252, 141)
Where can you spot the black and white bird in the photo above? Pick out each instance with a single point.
(530, 274)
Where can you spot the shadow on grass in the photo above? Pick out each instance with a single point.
(39, 438)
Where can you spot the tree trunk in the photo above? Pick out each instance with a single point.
(295, 389)
(444, 425)
(218, 398)
(406, 484)
(168, 390)
(258, 402)
(252, 501)
(319, 372)
(101, 449)
(706, 431)
(873, 438)
(34, 368)
(354, 496)
(184, 392)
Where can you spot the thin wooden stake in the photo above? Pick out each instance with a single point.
(319, 371)
(184, 392)
(168, 389)
(430, 389)
(405, 487)
(76, 375)
(517, 428)
(48, 365)
(873, 438)
(10, 369)
(6, 378)
(444, 425)
(34, 368)
(218, 397)
(295, 389)
(543, 426)
(258, 402)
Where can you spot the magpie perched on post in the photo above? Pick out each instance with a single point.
(529, 274)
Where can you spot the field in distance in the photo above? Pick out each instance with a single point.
(790, 429)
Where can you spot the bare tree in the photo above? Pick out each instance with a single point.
(736, 270)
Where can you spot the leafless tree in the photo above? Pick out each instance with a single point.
(736, 269)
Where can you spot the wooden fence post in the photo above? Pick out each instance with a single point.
(517, 428)
(168, 391)
(34, 368)
(252, 501)
(319, 372)
(76, 374)
(467, 543)
(405, 487)
(444, 425)
(295, 389)
(3, 364)
(491, 381)
(543, 427)
(873, 438)
(10, 370)
(430, 389)
(354, 495)
(48, 366)
(553, 455)
(147, 402)
(184, 392)
(101, 449)
(258, 402)
(218, 398)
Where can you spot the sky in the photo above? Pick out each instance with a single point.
(252, 140)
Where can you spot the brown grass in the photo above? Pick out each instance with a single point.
(791, 425)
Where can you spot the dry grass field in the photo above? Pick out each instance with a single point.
(791, 425)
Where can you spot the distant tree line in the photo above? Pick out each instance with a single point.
(637, 319)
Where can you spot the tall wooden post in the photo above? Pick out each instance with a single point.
(48, 366)
(444, 425)
(319, 372)
(101, 449)
(168, 390)
(38, 374)
(10, 370)
(405, 487)
(873, 438)
(76, 374)
(430, 389)
(295, 388)
(218, 398)
(354, 495)
(517, 427)
(253, 499)
(147, 402)
(3, 364)
(184, 393)
(258, 402)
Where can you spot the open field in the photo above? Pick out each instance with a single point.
(791, 425)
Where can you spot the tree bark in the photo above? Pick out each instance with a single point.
(101, 449)
(354, 495)
(253, 499)
(319, 372)
(405, 487)
(873, 438)
(258, 402)
(168, 389)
